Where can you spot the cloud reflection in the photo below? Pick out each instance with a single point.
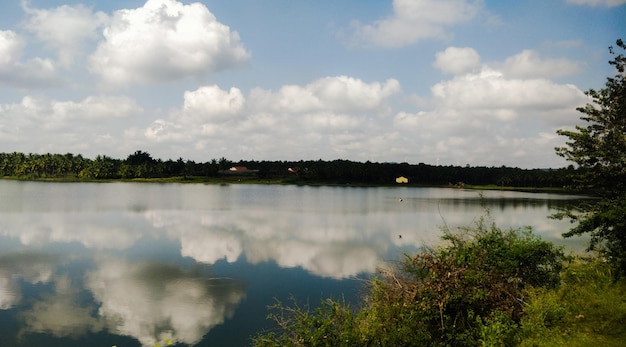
(334, 233)
(61, 314)
(32, 268)
(148, 301)
(151, 301)
(92, 230)
(324, 249)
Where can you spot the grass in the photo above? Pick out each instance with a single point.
(588, 309)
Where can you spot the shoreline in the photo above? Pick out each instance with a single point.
(290, 181)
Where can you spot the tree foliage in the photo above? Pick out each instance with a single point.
(141, 164)
(599, 149)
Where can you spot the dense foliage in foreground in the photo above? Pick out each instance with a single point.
(142, 165)
(486, 286)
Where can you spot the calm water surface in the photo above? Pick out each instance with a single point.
(103, 264)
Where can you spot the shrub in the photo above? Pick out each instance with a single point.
(466, 293)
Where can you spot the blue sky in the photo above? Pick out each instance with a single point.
(435, 81)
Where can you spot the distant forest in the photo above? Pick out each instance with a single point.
(141, 165)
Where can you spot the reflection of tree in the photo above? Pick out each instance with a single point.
(152, 302)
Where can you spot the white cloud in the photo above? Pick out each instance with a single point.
(68, 125)
(271, 121)
(457, 60)
(491, 117)
(528, 64)
(489, 93)
(33, 73)
(606, 3)
(331, 122)
(96, 107)
(165, 40)
(210, 103)
(415, 20)
(65, 28)
(340, 93)
(44, 112)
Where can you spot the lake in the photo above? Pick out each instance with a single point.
(134, 264)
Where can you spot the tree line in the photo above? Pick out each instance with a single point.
(141, 164)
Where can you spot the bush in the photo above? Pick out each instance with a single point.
(467, 293)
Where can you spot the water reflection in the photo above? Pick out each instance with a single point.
(146, 300)
(152, 302)
(79, 260)
(32, 268)
(61, 313)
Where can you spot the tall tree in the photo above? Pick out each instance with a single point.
(599, 149)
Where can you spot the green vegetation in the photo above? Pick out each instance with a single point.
(140, 166)
(483, 287)
(599, 149)
(588, 309)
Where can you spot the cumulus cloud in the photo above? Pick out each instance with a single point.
(489, 93)
(96, 107)
(165, 40)
(415, 20)
(528, 64)
(291, 118)
(507, 109)
(605, 3)
(456, 60)
(46, 112)
(70, 125)
(340, 93)
(32, 73)
(64, 28)
(494, 113)
(210, 103)
(342, 115)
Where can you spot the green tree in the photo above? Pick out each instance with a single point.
(599, 149)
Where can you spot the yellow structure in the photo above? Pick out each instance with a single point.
(402, 179)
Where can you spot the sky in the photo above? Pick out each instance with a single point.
(441, 82)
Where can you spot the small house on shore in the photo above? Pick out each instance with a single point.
(238, 170)
(402, 179)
